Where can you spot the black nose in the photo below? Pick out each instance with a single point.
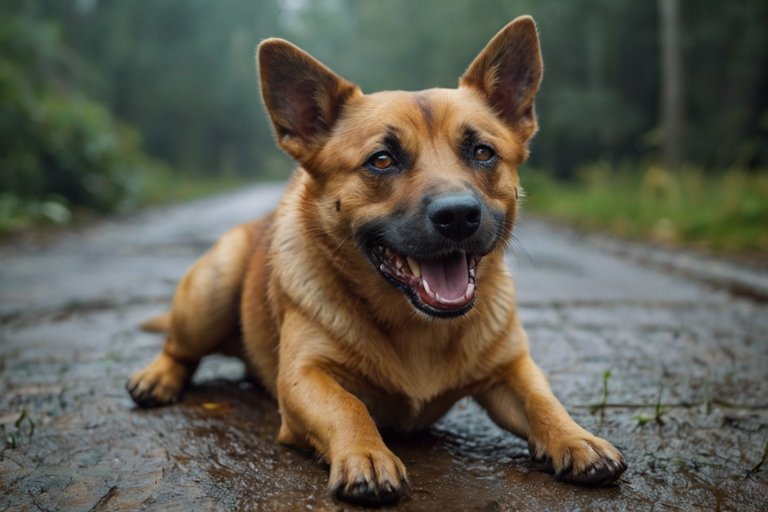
(457, 216)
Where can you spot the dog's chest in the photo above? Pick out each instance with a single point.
(422, 377)
(404, 413)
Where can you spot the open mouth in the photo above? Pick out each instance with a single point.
(442, 286)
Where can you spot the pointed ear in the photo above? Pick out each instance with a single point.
(302, 96)
(508, 73)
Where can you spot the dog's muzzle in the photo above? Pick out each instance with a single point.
(432, 256)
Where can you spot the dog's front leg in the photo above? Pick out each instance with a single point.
(316, 409)
(523, 403)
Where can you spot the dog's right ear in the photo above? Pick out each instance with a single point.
(302, 96)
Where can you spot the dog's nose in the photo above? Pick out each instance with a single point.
(457, 216)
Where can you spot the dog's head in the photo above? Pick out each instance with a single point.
(423, 183)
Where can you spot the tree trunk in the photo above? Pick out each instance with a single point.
(671, 85)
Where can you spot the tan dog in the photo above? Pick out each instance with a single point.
(376, 293)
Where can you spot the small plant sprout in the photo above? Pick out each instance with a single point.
(604, 400)
(12, 439)
(658, 411)
(642, 419)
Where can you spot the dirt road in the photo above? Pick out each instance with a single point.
(687, 396)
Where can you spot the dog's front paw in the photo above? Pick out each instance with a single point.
(583, 460)
(160, 383)
(369, 477)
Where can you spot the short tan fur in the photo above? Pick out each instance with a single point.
(376, 294)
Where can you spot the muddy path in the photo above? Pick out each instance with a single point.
(687, 395)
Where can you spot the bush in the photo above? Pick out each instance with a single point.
(725, 213)
(59, 151)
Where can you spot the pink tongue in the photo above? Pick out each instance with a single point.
(449, 277)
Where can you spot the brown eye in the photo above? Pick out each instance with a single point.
(483, 154)
(381, 161)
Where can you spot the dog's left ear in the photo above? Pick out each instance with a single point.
(508, 73)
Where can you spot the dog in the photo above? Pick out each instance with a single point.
(376, 294)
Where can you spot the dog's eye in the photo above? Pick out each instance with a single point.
(381, 161)
(483, 153)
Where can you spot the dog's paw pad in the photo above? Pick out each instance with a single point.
(372, 478)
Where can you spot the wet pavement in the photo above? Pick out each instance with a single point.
(687, 397)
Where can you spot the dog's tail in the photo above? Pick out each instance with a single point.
(159, 323)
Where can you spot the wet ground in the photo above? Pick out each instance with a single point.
(687, 396)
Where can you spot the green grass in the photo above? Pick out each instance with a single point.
(724, 213)
(169, 188)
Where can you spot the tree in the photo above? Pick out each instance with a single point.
(671, 115)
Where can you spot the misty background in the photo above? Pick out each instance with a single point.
(108, 105)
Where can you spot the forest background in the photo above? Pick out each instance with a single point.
(654, 115)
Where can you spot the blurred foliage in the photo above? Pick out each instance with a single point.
(181, 73)
(60, 150)
(600, 95)
(727, 213)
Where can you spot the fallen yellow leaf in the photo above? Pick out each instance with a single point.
(214, 406)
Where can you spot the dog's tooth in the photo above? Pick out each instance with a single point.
(388, 252)
(399, 264)
(427, 288)
(470, 291)
(414, 266)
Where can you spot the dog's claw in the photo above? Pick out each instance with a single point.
(373, 479)
(367, 493)
(158, 384)
(600, 473)
(590, 462)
